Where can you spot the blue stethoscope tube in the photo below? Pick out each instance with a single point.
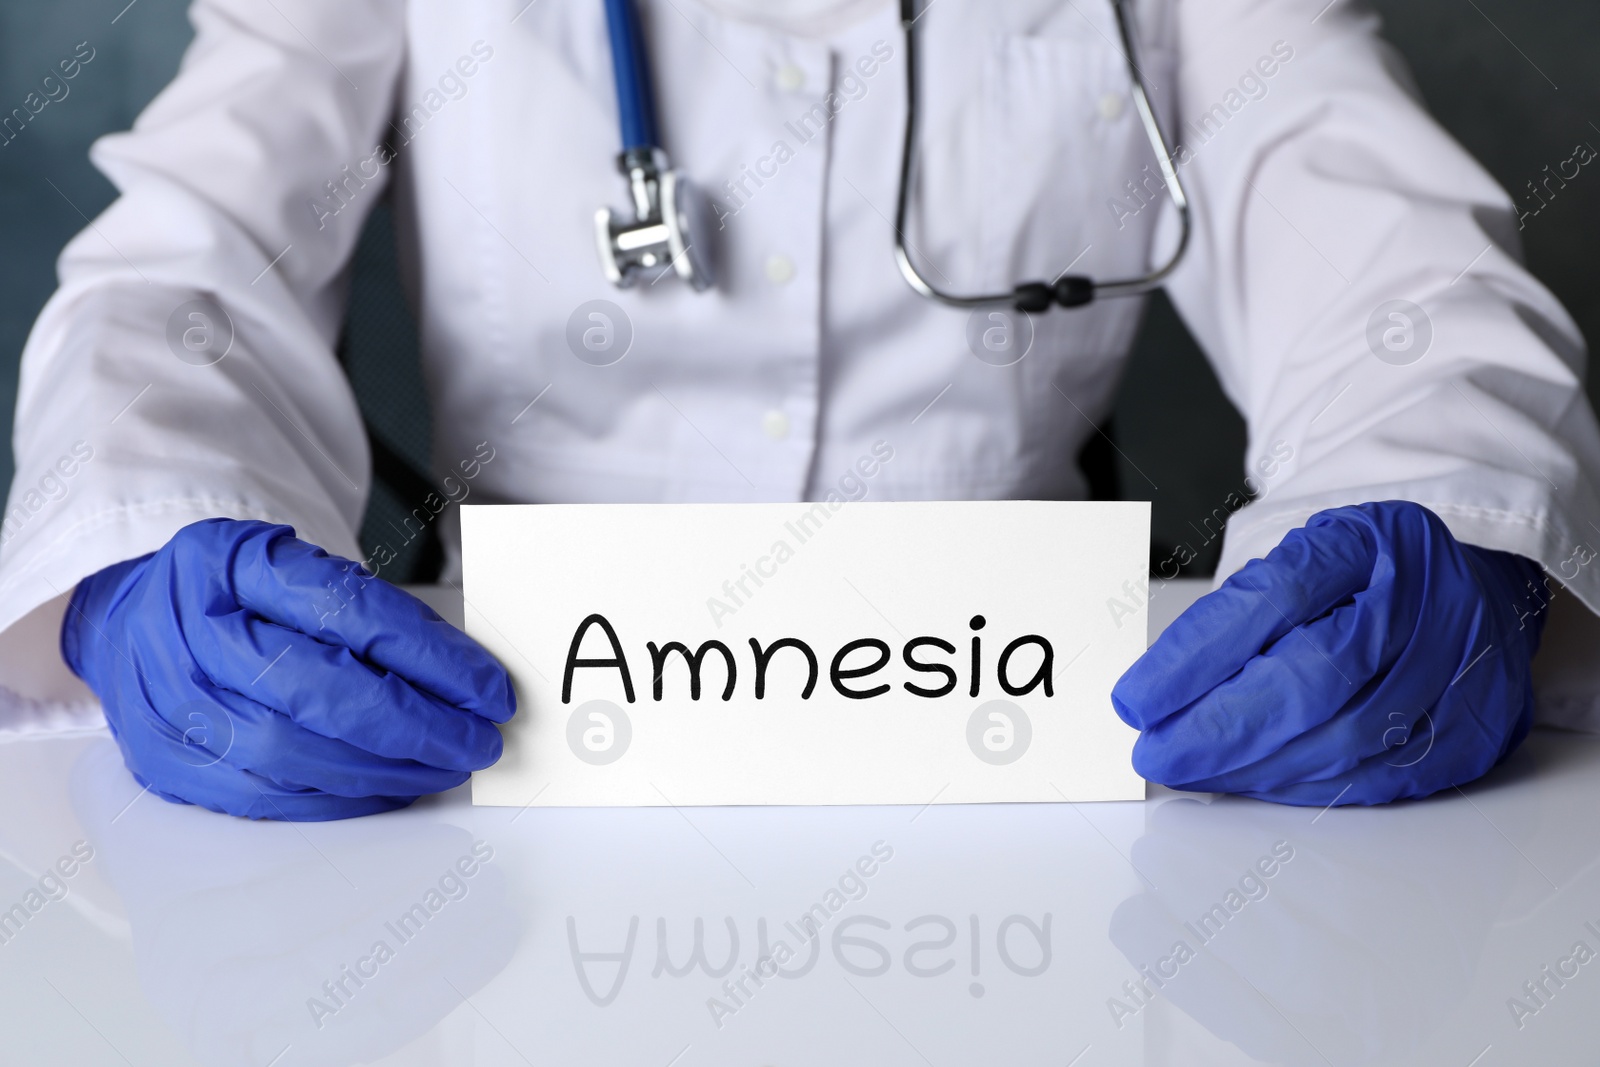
(636, 105)
(669, 227)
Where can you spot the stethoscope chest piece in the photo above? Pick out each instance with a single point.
(669, 229)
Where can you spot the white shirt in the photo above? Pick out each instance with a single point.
(1322, 194)
(804, 18)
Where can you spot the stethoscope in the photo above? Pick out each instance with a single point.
(670, 227)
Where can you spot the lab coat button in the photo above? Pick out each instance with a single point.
(790, 78)
(780, 269)
(775, 424)
(1111, 107)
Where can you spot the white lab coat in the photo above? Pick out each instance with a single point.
(1321, 190)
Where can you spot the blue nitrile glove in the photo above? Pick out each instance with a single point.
(1371, 656)
(248, 672)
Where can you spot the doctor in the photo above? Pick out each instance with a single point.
(1351, 273)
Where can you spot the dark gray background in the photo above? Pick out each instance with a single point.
(1513, 81)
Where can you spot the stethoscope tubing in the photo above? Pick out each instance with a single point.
(636, 107)
(1028, 294)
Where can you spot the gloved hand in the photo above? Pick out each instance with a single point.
(1371, 656)
(248, 672)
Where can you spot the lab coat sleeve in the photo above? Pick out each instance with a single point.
(1323, 192)
(124, 433)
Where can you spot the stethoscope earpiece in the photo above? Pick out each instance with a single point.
(1069, 291)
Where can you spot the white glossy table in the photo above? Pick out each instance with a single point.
(1013, 935)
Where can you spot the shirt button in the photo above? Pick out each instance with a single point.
(1111, 106)
(790, 78)
(780, 269)
(775, 424)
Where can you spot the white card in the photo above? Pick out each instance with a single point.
(869, 589)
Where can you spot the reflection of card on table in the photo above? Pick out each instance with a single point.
(865, 653)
